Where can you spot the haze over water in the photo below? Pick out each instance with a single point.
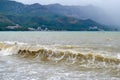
(60, 56)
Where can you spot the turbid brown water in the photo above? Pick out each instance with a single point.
(59, 55)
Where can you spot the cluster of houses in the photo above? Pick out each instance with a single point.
(14, 27)
(38, 29)
(95, 28)
(29, 28)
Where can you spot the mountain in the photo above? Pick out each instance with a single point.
(80, 12)
(4, 22)
(48, 17)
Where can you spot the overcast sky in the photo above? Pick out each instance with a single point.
(65, 2)
(110, 6)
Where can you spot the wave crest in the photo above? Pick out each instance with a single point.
(56, 55)
(47, 55)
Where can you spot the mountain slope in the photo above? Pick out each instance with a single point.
(52, 17)
(4, 21)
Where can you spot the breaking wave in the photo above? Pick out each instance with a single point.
(57, 55)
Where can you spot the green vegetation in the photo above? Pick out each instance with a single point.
(38, 17)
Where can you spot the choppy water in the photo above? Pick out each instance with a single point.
(59, 55)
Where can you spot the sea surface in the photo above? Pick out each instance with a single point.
(60, 55)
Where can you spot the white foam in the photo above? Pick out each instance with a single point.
(14, 42)
(8, 51)
(118, 56)
(55, 78)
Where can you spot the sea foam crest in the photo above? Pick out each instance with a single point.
(54, 54)
(8, 51)
(9, 48)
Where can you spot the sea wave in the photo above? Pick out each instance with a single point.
(57, 55)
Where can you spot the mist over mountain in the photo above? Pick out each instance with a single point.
(51, 17)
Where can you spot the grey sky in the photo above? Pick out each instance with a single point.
(64, 2)
(110, 6)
